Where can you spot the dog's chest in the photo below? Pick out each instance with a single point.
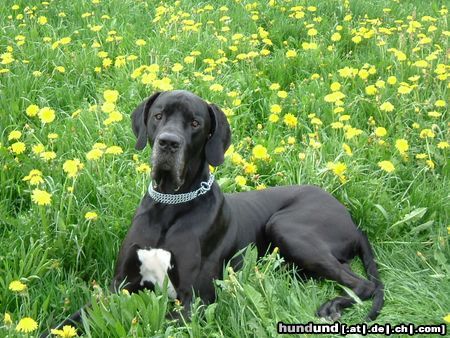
(155, 263)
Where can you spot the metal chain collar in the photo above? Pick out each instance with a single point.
(180, 198)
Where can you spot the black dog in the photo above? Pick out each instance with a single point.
(186, 228)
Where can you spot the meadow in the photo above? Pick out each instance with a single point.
(349, 95)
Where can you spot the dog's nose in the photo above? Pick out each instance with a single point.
(169, 141)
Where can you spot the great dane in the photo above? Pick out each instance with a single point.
(185, 228)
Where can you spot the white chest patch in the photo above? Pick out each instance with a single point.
(154, 266)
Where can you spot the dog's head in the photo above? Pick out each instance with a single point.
(185, 133)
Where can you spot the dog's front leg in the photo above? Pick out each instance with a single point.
(184, 274)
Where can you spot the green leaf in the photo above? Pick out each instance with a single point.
(416, 214)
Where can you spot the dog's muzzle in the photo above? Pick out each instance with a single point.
(169, 142)
(168, 160)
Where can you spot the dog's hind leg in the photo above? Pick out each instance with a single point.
(315, 258)
(362, 288)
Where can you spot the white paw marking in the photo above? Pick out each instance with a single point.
(154, 266)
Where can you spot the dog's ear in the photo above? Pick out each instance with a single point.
(220, 137)
(139, 121)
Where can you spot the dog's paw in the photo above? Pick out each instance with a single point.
(329, 311)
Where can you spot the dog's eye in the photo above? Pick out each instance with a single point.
(195, 123)
(158, 116)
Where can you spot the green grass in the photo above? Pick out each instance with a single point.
(66, 260)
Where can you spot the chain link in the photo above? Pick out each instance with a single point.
(180, 198)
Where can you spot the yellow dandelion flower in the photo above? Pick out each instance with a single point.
(404, 89)
(6, 58)
(46, 115)
(351, 132)
(290, 120)
(430, 164)
(314, 144)
(357, 39)
(177, 67)
(336, 37)
(260, 152)
(424, 133)
(421, 156)
(443, 145)
(380, 132)
(140, 42)
(348, 72)
(434, 114)
(421, 64)
(274, 118)
(347, 149)
(371, 90)
(338, 168)
(447, 317)
(240, 180)
(312, 32)
(274, 86)
(189, 59)
(275, 109)
(38, 148)
(26, 325)
(216, 87)
(66, 332)
(34, 177)
(108, 107)
(17, 286)
(41, 197)
(335, 86)
(114, 150)
(106, 63)
(337, 125)
(282, 94)
(66, 40)
(392, 80)
(71, 167)
(386, 166)
(387, 107)
(402, 145)
(7, 320)
(32, 110)
(363, 74)
(291, 140)
(291, 53)
(110, 96)
(334, 97)
(18, 148)
(60, 69)
(42, 20)
(94, 154)
(250, 168)
(440, 103)
(91, 216)
(96, 28)
(47, 155)
(14, 135)
(143, 168)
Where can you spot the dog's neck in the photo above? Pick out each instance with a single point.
(195, 175)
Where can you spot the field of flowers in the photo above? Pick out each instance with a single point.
(350, 95)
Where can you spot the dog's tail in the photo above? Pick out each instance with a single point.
(370, 266)
(73, 320)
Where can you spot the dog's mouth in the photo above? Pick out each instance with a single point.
(167, 172)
